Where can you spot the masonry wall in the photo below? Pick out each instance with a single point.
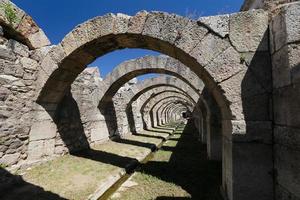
(120, 100)
(285, 49)
(18, 69)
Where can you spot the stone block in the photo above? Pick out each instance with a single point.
(252, 131)
(292, 20)
(190, 36)
(164, 26)
(248, 31)
(35, 150)
(18, 48)
(285, 27)
(209, 48)
(225, 65)
(10, 159)
(121, 23)
(40, 53)
(281, 70)
(29, 64)
(42, 130)
(38, 39)
(96, 135)
(6, 54)
(7, 79)
(136, 23)
(294, 61)
(252, 171)
(287, 136)
(286, 106)
(277, 33)
(11, 68)
(253, 108)
(283, 193)
(39, 149)
(287, 165)
(218, 24)
(49, 146)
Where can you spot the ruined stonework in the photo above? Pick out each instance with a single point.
(21, 48)
(285, 50)
(235, 75)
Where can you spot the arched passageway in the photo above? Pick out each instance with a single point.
(218, 64)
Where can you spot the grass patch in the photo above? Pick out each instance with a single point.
(78, 176)
(179, 169)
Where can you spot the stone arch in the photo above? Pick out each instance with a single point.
(23, 44)
(148, 64)
(164, 109)
(165, 106)
(175, 114)
(25, 29)
(121, 120)
(162, 91)
(177, 110)
(149, 115)
(214, 57)
(170, 34)
(143, 90)
(132, 68)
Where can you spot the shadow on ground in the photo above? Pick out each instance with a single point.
(22, 190)
(188, 168)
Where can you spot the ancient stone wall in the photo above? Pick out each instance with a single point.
(253, 116)
(285, 50)
(120, 99)
(269, 5)
(22, 45)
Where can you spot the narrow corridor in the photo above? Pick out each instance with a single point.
(179, 170)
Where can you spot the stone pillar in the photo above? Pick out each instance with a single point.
(214, 128)
(285, 50)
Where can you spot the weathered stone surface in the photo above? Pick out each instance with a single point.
(269, 5)
(97, 135)
(6, 54)
(29, 64)
(292, 20)
(281, 70)
(287, 164)
(18, 48)
(38, 39)
(243, 92)
(286, 106)
(5, 79)
(136, 23)
(39, 149)
(219, 24)
(285, 27)
(225, 65)
(287, 136)
(39, 54)
(252, 165)
(42, 130)
(10, 159)
(249, 30)
(252, 131)
(210, 47)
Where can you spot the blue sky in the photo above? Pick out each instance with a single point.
(58, 17)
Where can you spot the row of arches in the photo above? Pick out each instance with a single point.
(214, 60)
(214, 77)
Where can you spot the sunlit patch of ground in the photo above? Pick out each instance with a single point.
(78, 176)
(179, 170)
